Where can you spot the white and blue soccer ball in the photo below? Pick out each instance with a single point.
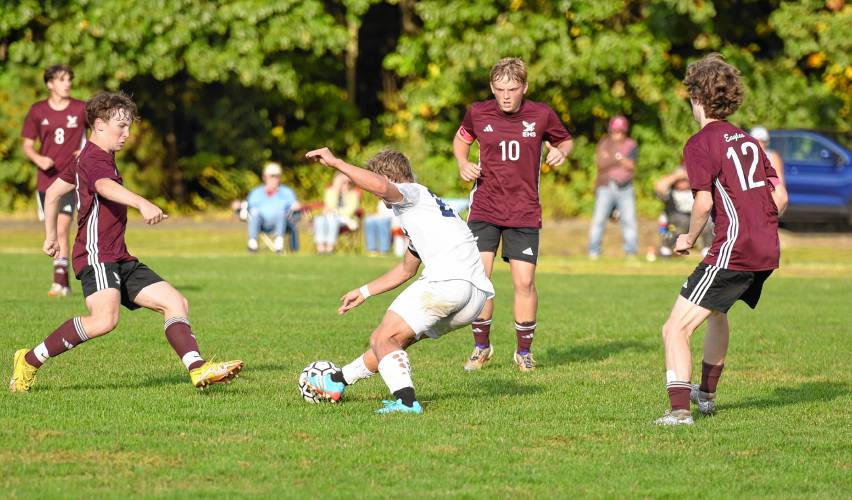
(319, 368)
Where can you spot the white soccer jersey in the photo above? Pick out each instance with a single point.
(440, 238)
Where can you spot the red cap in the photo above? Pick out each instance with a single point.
(618, 123)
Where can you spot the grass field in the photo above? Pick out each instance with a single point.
(117, 416)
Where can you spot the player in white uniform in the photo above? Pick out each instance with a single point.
(449, 294)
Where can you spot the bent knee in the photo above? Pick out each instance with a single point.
(101, 325)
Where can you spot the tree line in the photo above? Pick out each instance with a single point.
(224, 86)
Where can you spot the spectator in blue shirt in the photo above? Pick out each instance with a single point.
(270, 207)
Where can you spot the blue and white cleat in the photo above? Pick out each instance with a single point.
(326, 388)
(398, 407)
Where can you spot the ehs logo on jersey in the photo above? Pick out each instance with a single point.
(72, 121)
(529, 129)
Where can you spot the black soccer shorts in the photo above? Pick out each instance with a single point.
(718, 289)
(519, 243)
(128, 277)
(66, 204)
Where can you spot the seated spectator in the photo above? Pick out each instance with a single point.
(269, 210)
(674, 191)
(377, 228)
(340, 204)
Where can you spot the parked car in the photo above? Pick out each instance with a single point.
(818, 171)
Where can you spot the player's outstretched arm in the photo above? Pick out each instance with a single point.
(114, 191)
(700, 214)
(398, 275)
(57, 190)
(364, 179)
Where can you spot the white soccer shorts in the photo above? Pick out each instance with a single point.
(434, 308)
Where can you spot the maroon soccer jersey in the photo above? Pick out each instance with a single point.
(59, 133)
(510, 147)
(100, 222)
(729, 163)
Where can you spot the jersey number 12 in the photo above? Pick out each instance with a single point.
(745, 149)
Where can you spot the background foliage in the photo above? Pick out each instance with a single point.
(223, 86)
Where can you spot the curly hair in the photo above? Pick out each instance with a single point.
(715, 85)
(56, 71)
(106, 105)
(511, 68)
(392, 164)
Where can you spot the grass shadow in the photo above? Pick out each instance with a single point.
(808, 392)
(591, 352)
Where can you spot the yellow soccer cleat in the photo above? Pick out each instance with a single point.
(23, 373)
(215, 373)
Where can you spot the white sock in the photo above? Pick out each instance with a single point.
(40, 352)
(396, 371)
(190, 358)
(356, 370)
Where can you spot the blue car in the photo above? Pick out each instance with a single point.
(818, 171)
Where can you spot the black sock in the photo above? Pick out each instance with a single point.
(338, 377)
(406, 394)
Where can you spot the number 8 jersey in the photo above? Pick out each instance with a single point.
(439, 238)
(729, 163)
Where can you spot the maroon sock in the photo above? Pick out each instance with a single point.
(710, 376)
(60, 271)
(64, 338)
(481, 332)
(678, 395)
(179, 335)
(524, 333)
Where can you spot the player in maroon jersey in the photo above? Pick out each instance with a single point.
(110, 276)
(512, 133)
(58, 123)
(734, 183)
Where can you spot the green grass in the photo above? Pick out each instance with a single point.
(117, 416)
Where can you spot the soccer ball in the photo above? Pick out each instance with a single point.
(320, 368)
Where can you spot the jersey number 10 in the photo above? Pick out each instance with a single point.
(510, 150)
(744, 149)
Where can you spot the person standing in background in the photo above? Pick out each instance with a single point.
(615, 156)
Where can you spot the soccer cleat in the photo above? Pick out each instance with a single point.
(398, 407)
(23, 373)
(525, 362)
(477, 360)
(706, 401)
(326, 388)
(675, 417)
(57, 290)
(215, 373)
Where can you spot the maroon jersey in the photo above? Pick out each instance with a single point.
(729, 163)
(100, 222)
(510, 147)
(59, 133)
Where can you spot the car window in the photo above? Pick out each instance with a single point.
(804, 149)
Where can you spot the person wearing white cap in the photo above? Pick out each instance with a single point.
(269, 207)
(762, 135)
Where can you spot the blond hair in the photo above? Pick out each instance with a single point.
(510, 68)
(392, 164)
